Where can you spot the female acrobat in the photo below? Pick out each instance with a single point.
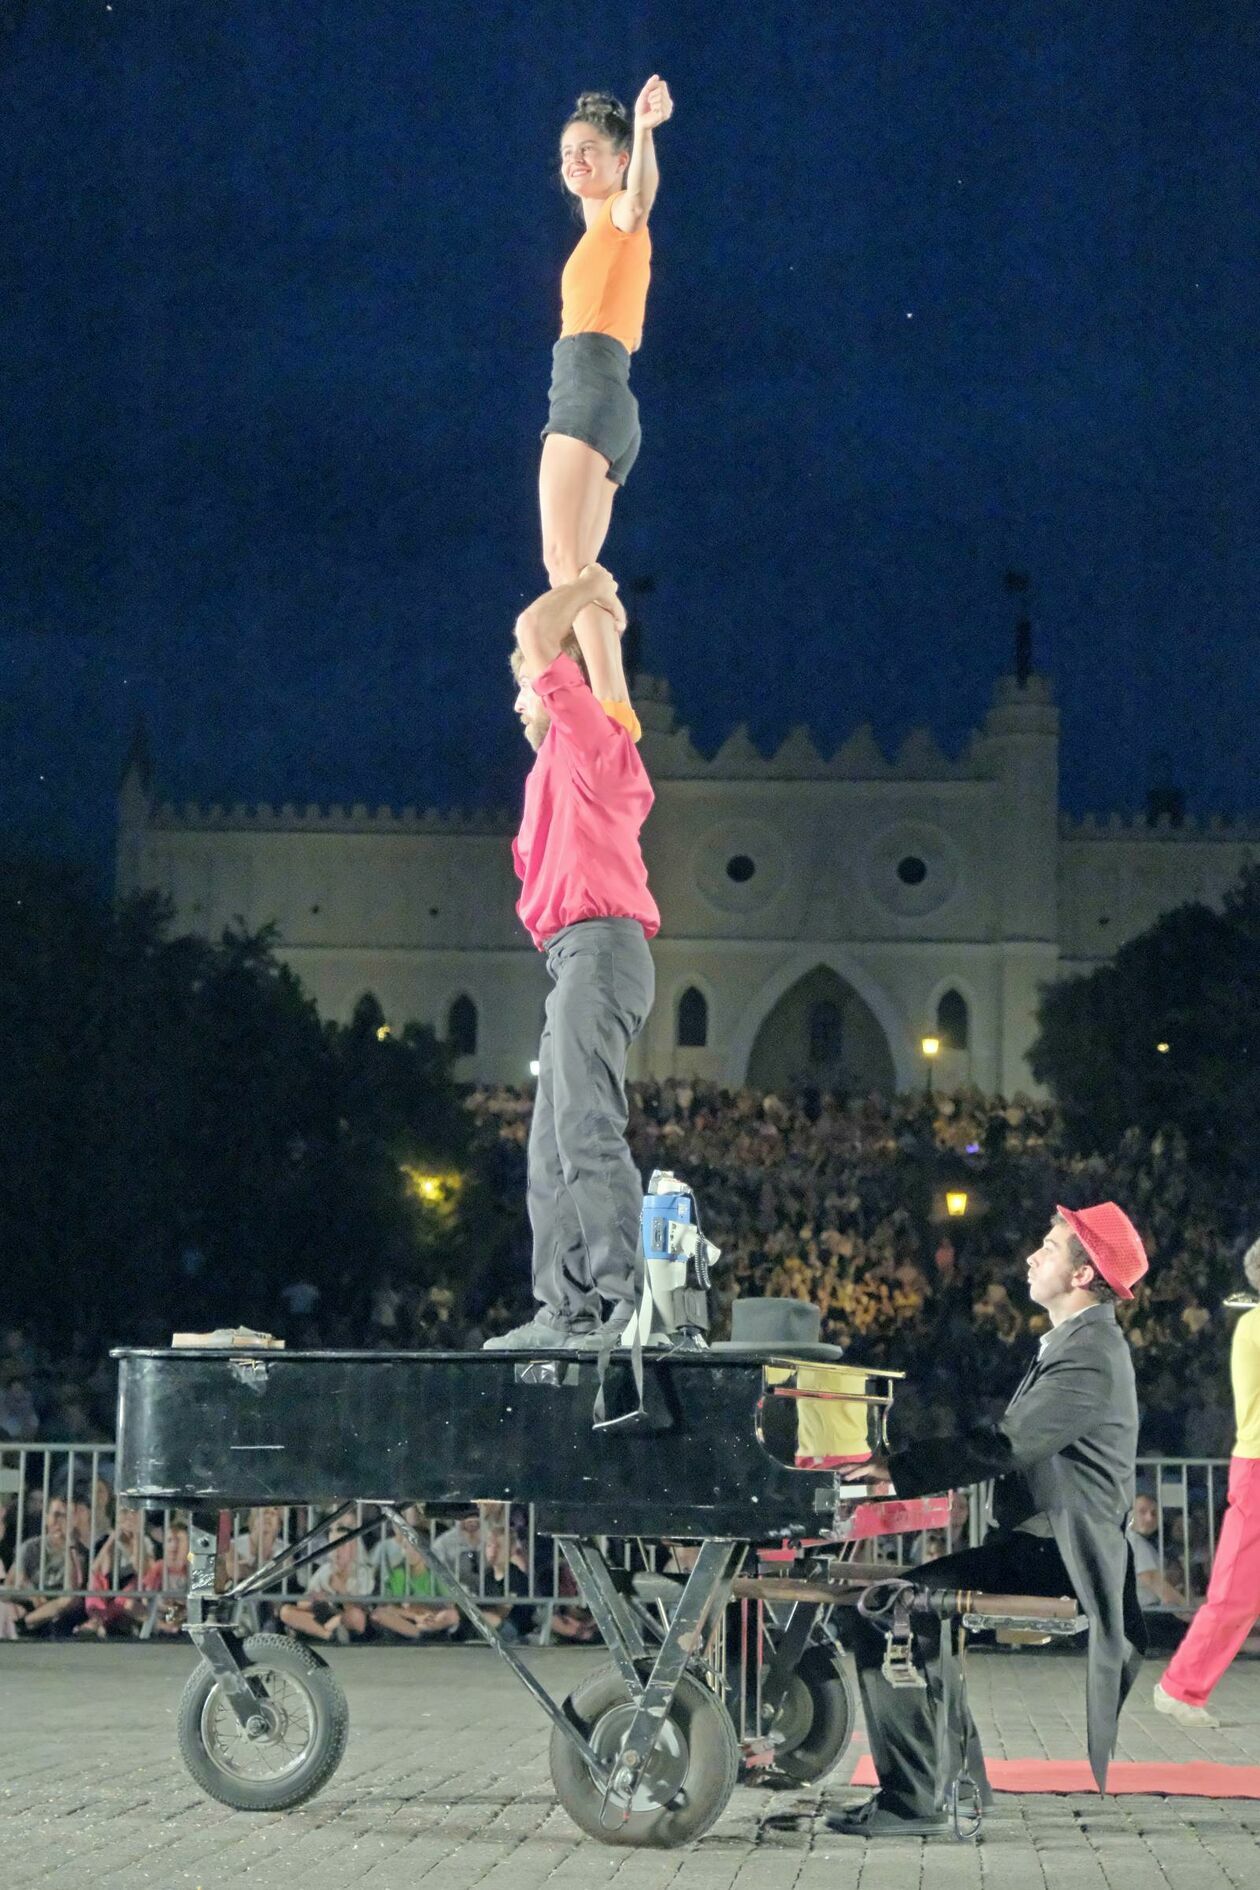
(591, 440)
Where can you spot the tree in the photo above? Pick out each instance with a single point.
(1167, 1034)
(167, 1094)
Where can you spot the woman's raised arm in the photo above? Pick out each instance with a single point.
(652, 107)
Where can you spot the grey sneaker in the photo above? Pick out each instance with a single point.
(592, 1337)
(1182, 1711)
(539, 1335)
(613, 1333)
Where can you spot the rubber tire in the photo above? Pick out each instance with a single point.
(332, 1727)
(712, 1772)
(835, 1715)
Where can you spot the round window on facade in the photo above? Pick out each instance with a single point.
(913, 868)
(739, 865)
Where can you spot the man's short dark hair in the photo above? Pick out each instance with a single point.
(1080, 1256)
(1103, 1291)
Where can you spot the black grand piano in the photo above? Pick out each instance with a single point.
(733, 1452)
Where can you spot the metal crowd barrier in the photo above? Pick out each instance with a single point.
(126, 1569)
(1189, 1496)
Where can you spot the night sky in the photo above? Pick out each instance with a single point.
(940, 290)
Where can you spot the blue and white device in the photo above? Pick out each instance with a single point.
(677, 1266)
(668, 1206)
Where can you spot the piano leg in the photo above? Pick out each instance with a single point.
(665, 1735)
(470, 1608)
(706, 1591)
(786, 1658)
(643, 1753)
(784, 1683)
(618, 1625)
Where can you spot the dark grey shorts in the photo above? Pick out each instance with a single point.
(591, 399)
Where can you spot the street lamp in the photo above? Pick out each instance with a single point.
(956, 1203)
(436, 1189)
(931, 1048)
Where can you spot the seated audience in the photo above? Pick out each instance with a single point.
(120, 1564)
(166, 1581)
(415, 1609)
(52, 1565)
(332, 1608)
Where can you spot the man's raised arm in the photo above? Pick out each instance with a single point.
(542, 626)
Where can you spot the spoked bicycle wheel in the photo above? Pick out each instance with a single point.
(303, 1736)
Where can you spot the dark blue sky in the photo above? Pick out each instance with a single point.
(940, 290)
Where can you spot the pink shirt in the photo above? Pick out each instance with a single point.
(577, 854)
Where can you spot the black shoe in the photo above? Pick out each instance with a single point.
(872, 1820)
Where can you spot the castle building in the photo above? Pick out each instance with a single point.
(820, 916)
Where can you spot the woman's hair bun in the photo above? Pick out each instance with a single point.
(605, 112)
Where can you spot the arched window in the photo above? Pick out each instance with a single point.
(693, 1020)
(952, 1021)
(461, 1027)
(826, 1034)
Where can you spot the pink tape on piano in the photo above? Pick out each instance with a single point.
(897, 1516)
(1200, 1778)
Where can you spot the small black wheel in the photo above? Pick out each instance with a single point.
(306, 1722)
(687, 1785)
(815, 1720)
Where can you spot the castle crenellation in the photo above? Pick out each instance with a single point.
(263, 816)
(850, 901)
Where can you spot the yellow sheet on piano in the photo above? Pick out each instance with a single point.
(828, 1428)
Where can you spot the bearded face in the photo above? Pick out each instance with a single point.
(532, 714)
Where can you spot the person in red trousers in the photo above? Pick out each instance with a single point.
(1225, 1619)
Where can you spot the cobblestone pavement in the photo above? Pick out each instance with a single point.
(445, 1782)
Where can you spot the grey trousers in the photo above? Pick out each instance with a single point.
(585, 1194)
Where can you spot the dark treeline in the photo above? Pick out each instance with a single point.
(183, 1133)
(1167, 1035)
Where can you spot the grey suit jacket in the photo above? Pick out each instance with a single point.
(1064, 1448)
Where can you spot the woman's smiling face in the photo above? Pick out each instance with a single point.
(588, 163)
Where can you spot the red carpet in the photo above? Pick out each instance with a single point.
(1198, 1779)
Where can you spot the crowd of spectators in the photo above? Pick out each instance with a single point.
(844, 1203)
(88, 1569)
(838, 1201)
(81, 1566)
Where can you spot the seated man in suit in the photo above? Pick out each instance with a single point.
(1062, 1455)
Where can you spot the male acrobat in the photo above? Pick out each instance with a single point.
(585, 903)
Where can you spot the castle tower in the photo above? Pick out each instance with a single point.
(135, 789)
(1018, 749)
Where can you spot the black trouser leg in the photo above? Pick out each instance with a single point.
(903, 1723)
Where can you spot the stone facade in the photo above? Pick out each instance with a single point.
(821, 915)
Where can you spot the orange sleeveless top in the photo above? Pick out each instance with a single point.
(604, 287)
